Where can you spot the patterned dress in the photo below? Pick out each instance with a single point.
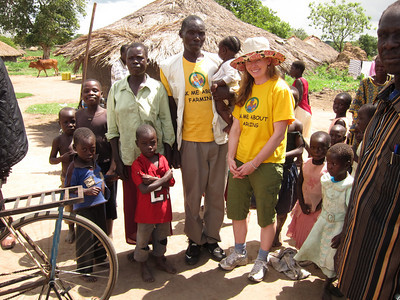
(317, 247)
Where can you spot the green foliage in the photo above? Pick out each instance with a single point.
(339, 21)
(300, 33)
(44, 23)
(334, 79)
(48, 108)
(7, 41)
(255, 13)
(23, 95)
(21, 67)
(369, 44)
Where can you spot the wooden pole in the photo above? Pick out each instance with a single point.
(85, 61)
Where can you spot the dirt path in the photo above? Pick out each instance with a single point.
(202, 281)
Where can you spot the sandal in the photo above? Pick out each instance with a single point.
(8, 242)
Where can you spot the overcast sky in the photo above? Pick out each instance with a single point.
(294, 12)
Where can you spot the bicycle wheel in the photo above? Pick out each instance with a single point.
(85, 269)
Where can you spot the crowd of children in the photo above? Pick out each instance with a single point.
(317, 197)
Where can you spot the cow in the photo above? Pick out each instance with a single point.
(43, 64)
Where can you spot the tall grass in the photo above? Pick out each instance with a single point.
(21, 67)
(334, 79)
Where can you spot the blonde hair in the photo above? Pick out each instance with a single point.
(247, 81)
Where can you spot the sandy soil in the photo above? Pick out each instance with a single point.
(202, 281)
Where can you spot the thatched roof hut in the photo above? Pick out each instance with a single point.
(157, 26)
(8, 53)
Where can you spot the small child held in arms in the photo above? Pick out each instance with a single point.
(308, 207)
(320, 245)
(94, 117)
(226, 75)
(62, 145)
(303, 110)
(341, 104)
(337, 134)
(287, 194)
(84, 171)
(153, 177)
(365, 114)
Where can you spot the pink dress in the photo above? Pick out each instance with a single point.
(302, 224)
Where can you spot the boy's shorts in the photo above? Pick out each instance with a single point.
(265, 182)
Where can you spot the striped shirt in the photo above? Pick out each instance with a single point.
(369, 257)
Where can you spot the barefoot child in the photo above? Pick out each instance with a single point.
(337, 134)
(152, 176)
(320, 245)
(341, 104)
(94, 117)
(309, 193)
(226, 75)
(84, 171)
(62, 145)
(287, 194)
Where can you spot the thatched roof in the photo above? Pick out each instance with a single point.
(157, 26)
(6, 50)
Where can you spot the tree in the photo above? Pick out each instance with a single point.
(339, 21)
(300, 33)
(369, 44)
(41, 22)
(255, 13)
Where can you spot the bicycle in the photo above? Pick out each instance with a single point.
(42, 263)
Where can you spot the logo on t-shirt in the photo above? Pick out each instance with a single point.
(197, 80)
(251, 104)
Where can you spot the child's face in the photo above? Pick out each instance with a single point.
(91, 93)
(67, 122)
(362, 121)
(222, 50)
(340, 106)
(318, 147)
(337, 168)
(294, 72)
(147, 143)
(86, 149)
(338, 135)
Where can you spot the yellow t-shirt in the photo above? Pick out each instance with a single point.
(269, 102)
(198, 114)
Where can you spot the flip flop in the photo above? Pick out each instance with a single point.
(8, 242)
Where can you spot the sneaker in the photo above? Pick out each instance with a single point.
(215, 250)
(258, 271)
(233, 260)
(192, 253)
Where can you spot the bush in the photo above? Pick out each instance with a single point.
(334, 79)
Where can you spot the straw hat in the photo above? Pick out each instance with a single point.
(257, 48)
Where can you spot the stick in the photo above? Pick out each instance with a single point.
(85, 61)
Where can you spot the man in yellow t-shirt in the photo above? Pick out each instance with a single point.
(203, 148)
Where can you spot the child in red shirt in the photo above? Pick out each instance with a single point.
(153, 214)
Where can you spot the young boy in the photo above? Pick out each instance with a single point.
(62, 145)
(337, 134)
(94, 117)
(341, 104)
(303, 111)
(84, 171)
(152, 176)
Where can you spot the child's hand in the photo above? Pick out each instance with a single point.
(92, 191)
(305, 208)
(214, 87)
(67, 156)
(147, 179)
(227, 129)
(336, 241)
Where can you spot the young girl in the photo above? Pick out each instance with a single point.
(94, 117)
(288, 195)
(226, 75)
(320, 245)
(256, 149)
(309, 193)
(341, 104)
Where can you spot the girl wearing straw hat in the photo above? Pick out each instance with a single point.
(256, 151)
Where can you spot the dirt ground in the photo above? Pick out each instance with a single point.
(202, 281)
